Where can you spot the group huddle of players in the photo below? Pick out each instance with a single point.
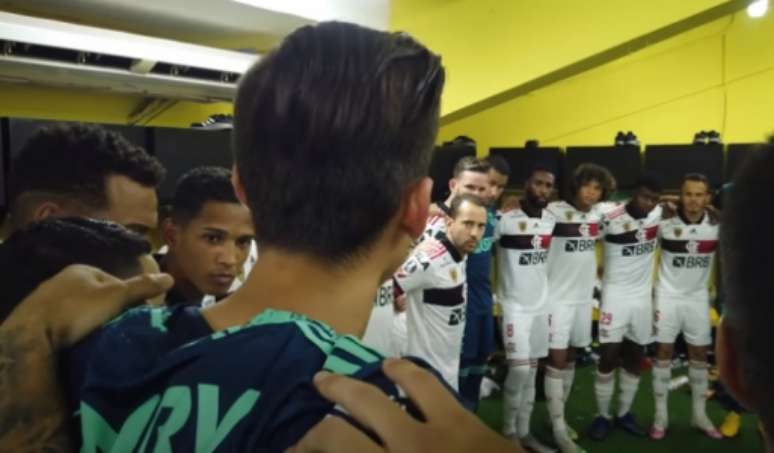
(438, 306)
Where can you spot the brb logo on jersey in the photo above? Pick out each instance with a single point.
(582, 245)
(691, 262)
(639, 249)
(533, 258)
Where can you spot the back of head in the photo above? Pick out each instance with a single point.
(199, 186)
(748, 266)
(38, 252)
(69, 162)
(330, 129)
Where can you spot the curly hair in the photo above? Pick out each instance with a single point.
(588, 172)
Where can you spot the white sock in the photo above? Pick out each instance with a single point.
(527, 403)
(604, 384)
(697, 372)
(568, 377)
(629, 384)
(513, 391)
(554, 386)
(662, 374)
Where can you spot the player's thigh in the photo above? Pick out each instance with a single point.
(666, 318)
(581, 326)
(696, 322)
(614, 317)
(640, 328)
(516, 333)
(538, 339)
(559, 325)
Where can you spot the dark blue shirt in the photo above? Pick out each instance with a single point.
(160, 379)
(479, 269)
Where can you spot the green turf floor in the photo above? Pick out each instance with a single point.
(680, 437)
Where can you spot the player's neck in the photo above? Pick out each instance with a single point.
(692, 217)
(183, 285)
(341, 298)
(577, 205)
(530, 207)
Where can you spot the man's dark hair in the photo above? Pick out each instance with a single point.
(588, 172)
(650, 182)
(499, 164)
(198, 186)
(697, 177)
(470, 163)
(537, 168)
(39, 251)
(748, 264)
(458, 200)
(73, 161)
(330, 129)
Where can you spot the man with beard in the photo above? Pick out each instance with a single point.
(688, 244)
(433, 280)
(523, 238)
(626, 313)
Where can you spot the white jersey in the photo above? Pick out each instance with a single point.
(378, 333)
(687, 256)
(522, 255)
(436, 224)
(433, 279)
(629, 251)
(572, 258)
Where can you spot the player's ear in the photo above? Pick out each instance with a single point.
(239, 188)
(45, 210)
(416, 204)
(730, 363)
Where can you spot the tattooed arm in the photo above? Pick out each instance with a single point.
(57, 314)
(32, 413)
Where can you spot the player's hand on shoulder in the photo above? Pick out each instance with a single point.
(448, 427)
(435, 211)
(80, 298)
(399, 303)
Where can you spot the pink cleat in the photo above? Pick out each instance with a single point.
(657, 433)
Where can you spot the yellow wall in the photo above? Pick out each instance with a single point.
(718, 76)
(489, 46)
(26, 101)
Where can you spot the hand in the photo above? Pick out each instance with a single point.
(399, 303)
(81, 298)
(449, 427)
(435, 211)
(510, 203)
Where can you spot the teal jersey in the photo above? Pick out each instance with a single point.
(160, 380)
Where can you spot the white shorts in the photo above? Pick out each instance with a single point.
(569, 325)
(525, 335)
(626, 316)
(689, 315)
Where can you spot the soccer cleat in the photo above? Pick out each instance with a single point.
(657, 433)
(713, 138)
(731, 425)
(600, 428)
(629, 424)
(216, 122)
(532, 444)
(565, 444)
(631, 139)
(705, 425)
(620, 139)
